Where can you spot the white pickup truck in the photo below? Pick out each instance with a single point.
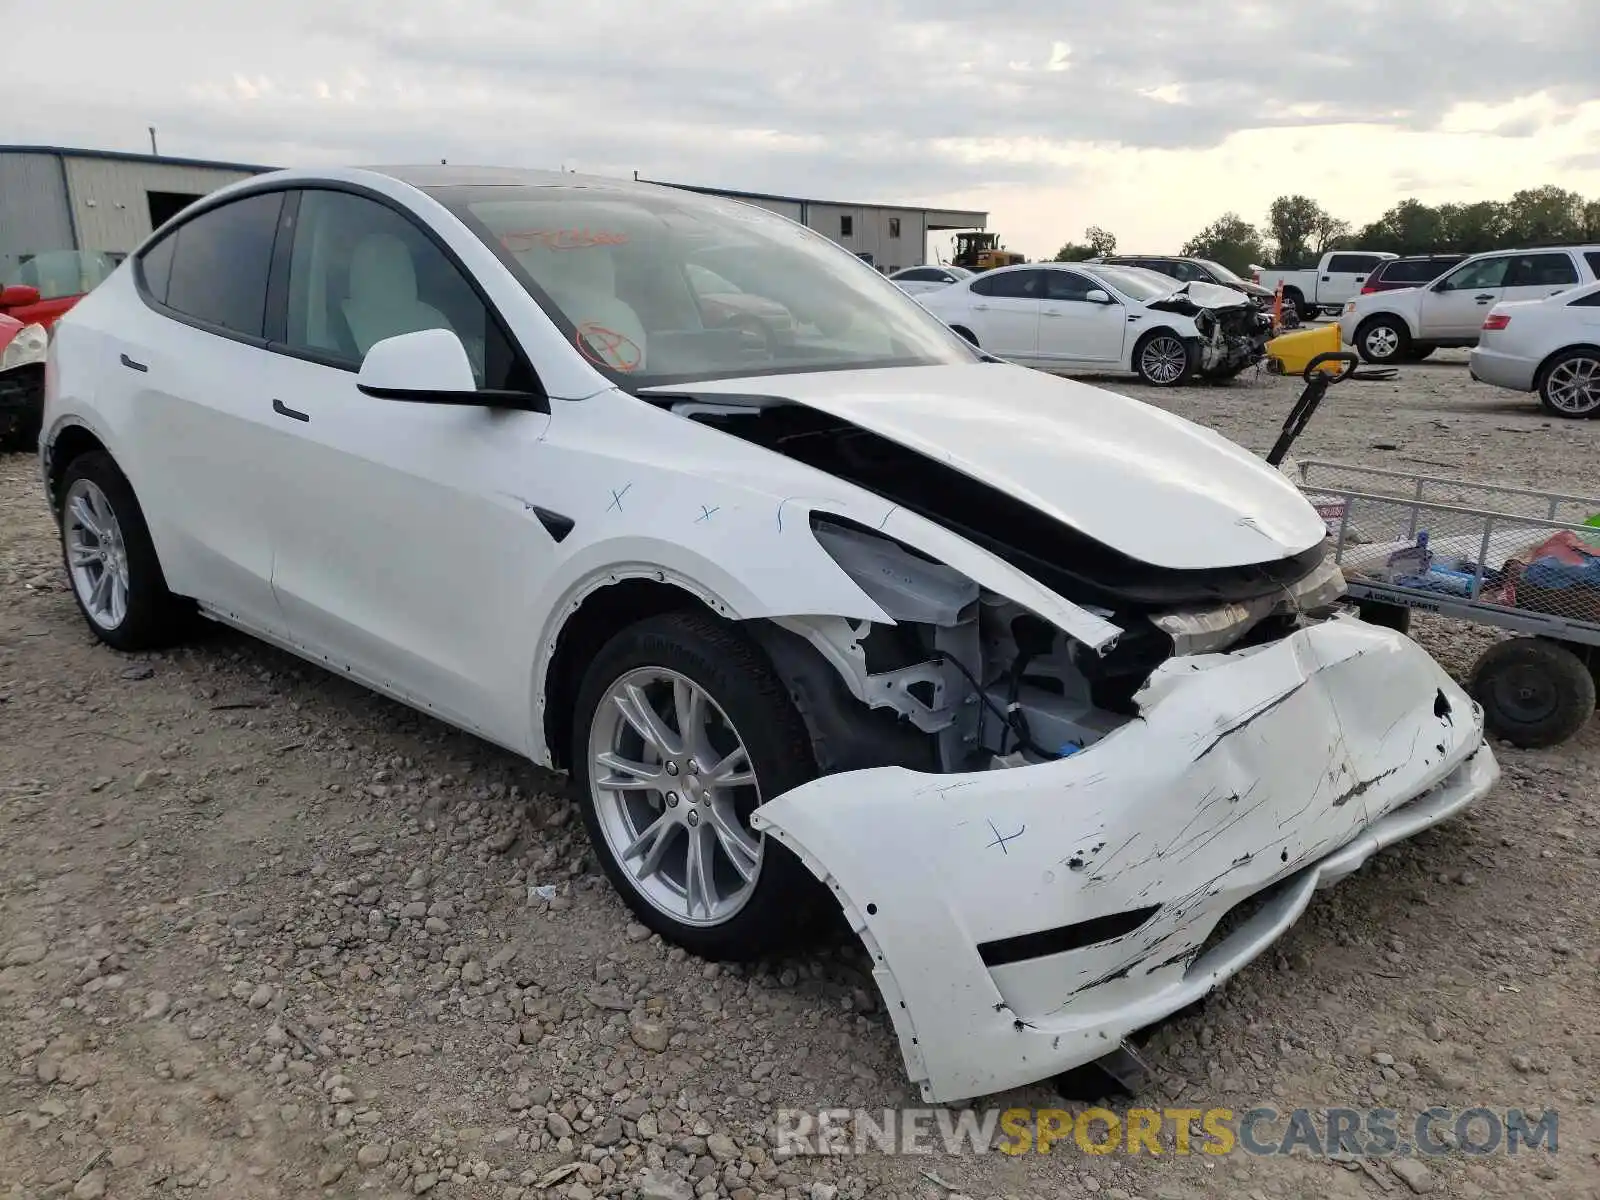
(1326, 286)
(1408, 324)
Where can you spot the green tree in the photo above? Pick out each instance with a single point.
(1410, 227)
(1293, 222)
(1591, 221)
(1073, 252)
(1231, 241)
(1103, 240)
(1545, 216)
(1471, 228)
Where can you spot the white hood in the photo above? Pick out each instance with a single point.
(1207, 295)
(1160, 489)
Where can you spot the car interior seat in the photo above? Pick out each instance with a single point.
(582, 280)
(382, 301)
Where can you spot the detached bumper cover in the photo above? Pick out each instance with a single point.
(1024, 921)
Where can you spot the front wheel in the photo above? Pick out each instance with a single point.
(1570, 385)
(1534, 692)
(111, 561)
(1383, 340)
(682, 730)
(1163, 359)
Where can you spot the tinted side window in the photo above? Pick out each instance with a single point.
(923, 275)
(155, 268)
(360, 272)
(1013, 285)
(1541, 270)
(1353, 264)
(1592, 300)
(1593, 257)
(220, 265)
(1488, 273)
(1067, 285)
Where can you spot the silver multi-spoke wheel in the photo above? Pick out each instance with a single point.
(1381, 342)
(97, 556)
(673, 788)
(1573, 385)
(1163, 359)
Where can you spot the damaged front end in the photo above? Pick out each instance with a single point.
(1233, 331)
(1107, 784)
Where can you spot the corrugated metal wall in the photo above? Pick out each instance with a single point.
(873, 231)
(110, 198)
(33, 208)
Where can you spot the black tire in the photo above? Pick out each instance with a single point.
(1293, 298)
(1534, 692)
(153, 617)
(1221, 373)
(966, 333)
(1418, 353)
(785, 905)
(1568, 404)
(1390, 340)
(1389, 616)
(1160, 378)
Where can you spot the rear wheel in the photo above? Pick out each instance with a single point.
(682, 730)
(1383, 339)
(1534, 692)
(1163, 359)
(111, 561)
(1570, 385)
(1292, 297)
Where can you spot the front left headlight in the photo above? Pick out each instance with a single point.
(29, 346)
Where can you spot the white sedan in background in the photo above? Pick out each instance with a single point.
(1549, 346)
(913, 280)
(1081, 316)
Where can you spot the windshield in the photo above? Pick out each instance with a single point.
(1221, 272)
(659, 287)
(1136, 283)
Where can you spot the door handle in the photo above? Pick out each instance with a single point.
(1484, 299)
(1047, 313)
(980, 308)
(283, 410)
(1327, 279)
(133, 366)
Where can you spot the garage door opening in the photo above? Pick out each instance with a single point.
(166, 205)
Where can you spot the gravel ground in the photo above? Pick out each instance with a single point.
(264, 934)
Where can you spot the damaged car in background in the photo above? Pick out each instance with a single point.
(1086, 316)
(1050, 692)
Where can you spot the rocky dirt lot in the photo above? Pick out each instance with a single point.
(264, 934)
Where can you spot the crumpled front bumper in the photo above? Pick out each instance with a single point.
(1024, 921)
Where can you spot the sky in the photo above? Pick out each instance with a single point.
(1148, 117)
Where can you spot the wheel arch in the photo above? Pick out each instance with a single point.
(1550, 359)
(66, 443)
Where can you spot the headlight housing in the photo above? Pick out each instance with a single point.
(29, 346)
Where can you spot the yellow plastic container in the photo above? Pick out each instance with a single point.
(1291, 353)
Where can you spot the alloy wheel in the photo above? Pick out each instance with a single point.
(97, 556)
(1574, 386)
(673, 788)
(1163, 360)
(1382, 341)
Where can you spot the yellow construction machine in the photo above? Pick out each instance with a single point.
(977, 251)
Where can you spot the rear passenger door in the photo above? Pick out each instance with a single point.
(1005, 309)
(1535, 276)
(1344, 276)
(191, 361)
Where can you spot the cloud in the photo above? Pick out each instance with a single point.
(898, 100)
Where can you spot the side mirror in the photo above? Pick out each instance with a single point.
(431, 366)
(1097, 296)
(18, 295)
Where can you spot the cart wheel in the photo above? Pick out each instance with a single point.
(1389, 616)
(1534, 692)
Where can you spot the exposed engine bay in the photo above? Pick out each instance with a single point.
(1233, 331)
(967, 679)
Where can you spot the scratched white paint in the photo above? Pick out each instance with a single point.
(1293, 760)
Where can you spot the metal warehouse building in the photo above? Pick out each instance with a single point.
(54, 201)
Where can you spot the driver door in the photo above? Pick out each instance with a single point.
(1075, 329)
(405, 548)
(1455, 306)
